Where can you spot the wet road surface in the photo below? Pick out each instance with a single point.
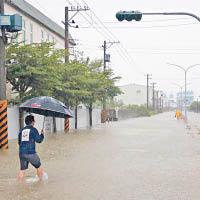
(154, 158)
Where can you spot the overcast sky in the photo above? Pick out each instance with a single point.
(145, 46)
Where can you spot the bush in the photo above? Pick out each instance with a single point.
(141, 110)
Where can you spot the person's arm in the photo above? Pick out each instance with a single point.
(38, 137)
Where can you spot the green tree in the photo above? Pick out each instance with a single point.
(72, 88)
(38, 69)
(32, 69)
(100, 84)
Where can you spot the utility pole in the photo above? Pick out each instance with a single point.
(104, 55)
(105, 60)
(66, 56)
(67, 24)
(160, 101)
(66, 34)
(153, 84)
(157, 100)
(2, 57)
(3, 100)
(105, 47)
(148, 77)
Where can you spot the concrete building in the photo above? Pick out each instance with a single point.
(36, 26)
(134, 94)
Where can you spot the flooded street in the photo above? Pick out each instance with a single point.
(138, 159)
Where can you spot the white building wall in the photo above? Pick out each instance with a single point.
(37, 29)
(134, 94)
(13, 122)
(96, 114)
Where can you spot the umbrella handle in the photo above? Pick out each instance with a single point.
(43, 123)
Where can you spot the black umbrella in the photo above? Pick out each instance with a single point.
(47, 106)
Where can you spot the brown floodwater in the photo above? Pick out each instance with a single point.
(137, 159)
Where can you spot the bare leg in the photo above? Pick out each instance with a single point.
(21, 175)
(40, 172)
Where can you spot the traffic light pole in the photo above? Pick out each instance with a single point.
(175, 13)
(137, 15)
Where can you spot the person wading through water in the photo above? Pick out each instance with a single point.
(178, 114)
(26, 140)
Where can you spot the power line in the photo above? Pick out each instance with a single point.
(110, 33)
(102, 32)
(124, 51)
(86, 18)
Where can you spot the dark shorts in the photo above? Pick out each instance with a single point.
(32, 158)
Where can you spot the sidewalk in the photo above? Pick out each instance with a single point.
(193, 123)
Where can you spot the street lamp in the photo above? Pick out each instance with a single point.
(185, 71)
(181, 87)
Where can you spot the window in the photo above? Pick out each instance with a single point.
(138, 91)
(42, 36)
(31, 33)
(23, 31)
(47, 37)
(15, 38)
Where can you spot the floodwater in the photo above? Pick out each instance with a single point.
(154, 158)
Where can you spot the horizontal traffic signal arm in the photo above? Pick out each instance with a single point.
(137, 15)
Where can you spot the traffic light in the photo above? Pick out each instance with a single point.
(129, 15)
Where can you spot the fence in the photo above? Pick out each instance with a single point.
(83, 121)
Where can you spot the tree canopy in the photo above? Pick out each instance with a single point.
(38, 69)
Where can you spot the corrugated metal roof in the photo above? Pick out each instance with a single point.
(31, 11)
